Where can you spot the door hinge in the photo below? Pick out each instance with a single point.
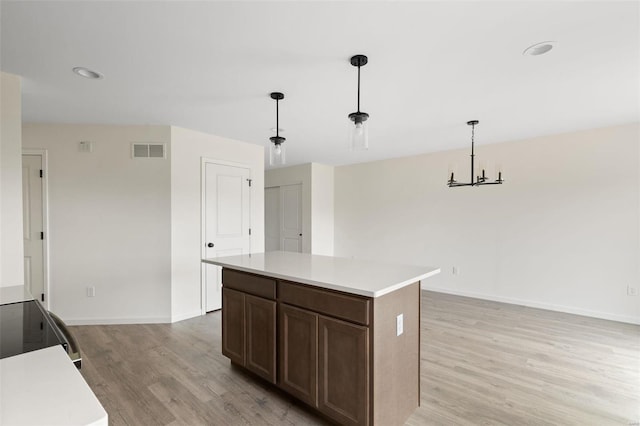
(42, 296)
(249, 231)
(42, 235)
(41, 173)
(249, 180)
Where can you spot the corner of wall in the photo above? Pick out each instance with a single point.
(11, 238)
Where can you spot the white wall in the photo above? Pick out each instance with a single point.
(11, 236)
(188, 147)
(562, 233)
(317, 202)
(322, 206)
(109, 223)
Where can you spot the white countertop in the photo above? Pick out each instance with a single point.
(16, 293)
(365, 278)
(44, 387)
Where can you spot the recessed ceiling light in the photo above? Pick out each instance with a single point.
(87, 73)
(539, 48)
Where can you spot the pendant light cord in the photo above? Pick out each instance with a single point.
(358, 88)
(277, 118)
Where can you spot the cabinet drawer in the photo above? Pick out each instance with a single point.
(338, 305)
(249, 283)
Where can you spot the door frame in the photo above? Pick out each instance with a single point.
(203, 168)
(44, 155)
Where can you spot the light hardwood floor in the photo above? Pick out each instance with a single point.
(482, 362)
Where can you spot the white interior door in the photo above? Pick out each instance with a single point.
(272, 218)
(227, 228)
(291, 218)
(33, 225)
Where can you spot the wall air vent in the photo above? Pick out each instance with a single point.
(148, 150)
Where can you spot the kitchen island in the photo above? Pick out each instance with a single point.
(341, 335)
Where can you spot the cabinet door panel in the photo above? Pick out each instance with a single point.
(260, 317)
(233, 325)
(343, 371)
(298, 353)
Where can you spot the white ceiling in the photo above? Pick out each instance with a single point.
(210, 66)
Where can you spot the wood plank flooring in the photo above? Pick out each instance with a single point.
(483, 363)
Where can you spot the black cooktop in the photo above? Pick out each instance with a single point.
(24, 327)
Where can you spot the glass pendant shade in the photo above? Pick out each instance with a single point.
(277, 155)
(359, 136)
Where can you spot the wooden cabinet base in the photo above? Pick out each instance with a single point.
(348, 360)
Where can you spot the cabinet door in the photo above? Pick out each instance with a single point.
(233, 325)
(343, 371)
(298, 353)
(260, 317)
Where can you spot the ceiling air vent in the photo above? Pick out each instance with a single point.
(147, 150)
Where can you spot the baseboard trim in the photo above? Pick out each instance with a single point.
(185, 316)
(117, 321)
(538, 305)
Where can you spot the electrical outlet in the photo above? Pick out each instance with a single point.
(91, 291)
(455, 270)
(632, 291)
(399, 324)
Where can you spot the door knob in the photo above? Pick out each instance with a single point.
(210, 245)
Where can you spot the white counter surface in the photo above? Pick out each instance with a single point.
(365, 278)
(13, 294)
(44, 387)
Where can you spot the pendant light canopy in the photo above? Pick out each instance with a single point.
(277, 149)
(479, 180)
(358, 134)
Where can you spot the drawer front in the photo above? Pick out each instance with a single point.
(249, 283)
(334, 304)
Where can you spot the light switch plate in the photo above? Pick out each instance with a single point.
(399, 324)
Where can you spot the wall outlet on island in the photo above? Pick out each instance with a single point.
(399, 324)
(91, 291)
(632, 291)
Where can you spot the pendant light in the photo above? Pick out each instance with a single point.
(277, 149)
(480, 180)
(358, 134)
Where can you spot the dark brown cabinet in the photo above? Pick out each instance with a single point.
(260, 320)
(299, 353)
(325, 363)
(249, 332)
(343, 371)
(233, 335)
(340, 353)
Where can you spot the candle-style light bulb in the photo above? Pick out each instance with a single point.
(277, 154)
